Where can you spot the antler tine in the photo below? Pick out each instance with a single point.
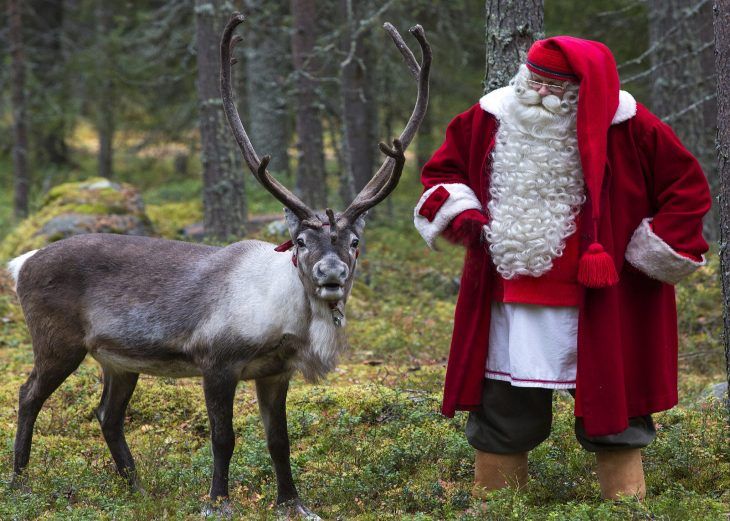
(386, 178)
(403, 48)
(419, 110)
(257, 167)
(234, 41)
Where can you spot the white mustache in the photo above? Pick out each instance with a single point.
(551, 102)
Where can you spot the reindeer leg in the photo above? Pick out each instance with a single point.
(219, 386)
(271, 393)
(48, 373)
(118, 389)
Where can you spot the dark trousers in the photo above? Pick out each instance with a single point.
(517, 419)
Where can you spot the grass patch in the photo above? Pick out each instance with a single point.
(369, 444)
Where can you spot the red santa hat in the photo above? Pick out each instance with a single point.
(592, 64)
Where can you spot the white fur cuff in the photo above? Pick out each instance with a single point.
(461, 198)
(654, 257)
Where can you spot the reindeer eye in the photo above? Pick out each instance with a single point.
(355, 243)
(300, 243)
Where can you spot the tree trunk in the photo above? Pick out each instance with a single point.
(679, 81)
(268, 67)
(105, 91)
(512, 26)
(311, 180)
(224, 196)
(722, 66)
(47, 122)
(359, 114)
(48, 64)
(21, 175)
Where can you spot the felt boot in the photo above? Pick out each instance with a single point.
(495, 471)
(620, 472)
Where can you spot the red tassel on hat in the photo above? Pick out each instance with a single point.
(596, 268)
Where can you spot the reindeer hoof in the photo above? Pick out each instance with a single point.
(136, 488)
(20, 483)
(219, 510)
(293, 509)
(133, 482)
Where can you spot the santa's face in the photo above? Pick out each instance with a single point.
(555, 97)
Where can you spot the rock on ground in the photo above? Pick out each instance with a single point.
(94, 206)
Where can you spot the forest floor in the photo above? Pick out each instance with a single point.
(369, 442)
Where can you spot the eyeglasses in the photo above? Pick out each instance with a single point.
(552, 87)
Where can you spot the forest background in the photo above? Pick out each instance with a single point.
(128, 91)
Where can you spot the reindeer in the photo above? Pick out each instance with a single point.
(246, 311)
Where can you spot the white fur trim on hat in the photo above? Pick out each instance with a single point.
(492, 102)
(461, 198)
(626, 108)
(654, 257)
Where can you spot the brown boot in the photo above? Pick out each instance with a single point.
(620, 472)
(495, 471)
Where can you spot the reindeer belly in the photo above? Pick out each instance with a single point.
(171, 368)
(153, 360)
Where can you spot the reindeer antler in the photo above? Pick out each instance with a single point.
(257, 167)
(386, 178)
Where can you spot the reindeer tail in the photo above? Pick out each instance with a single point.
(17, 263)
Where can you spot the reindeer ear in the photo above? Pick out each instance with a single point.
(293, 222)
(359, 225)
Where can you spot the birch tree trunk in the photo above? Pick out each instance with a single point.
(722, 66)
(268, 66)
(21, 175)
(224, 195)
(311, 180)
(511, 27)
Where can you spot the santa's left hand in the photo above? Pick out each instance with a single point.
(466, 228)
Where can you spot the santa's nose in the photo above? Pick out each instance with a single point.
(543, 91)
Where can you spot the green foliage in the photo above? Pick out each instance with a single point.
(169, 219)
(699, 316)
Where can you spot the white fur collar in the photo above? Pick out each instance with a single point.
(492, 103)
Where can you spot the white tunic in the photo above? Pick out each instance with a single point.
(532, 345)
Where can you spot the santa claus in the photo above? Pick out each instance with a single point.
(579, 210)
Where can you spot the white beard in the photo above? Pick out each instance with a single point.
(537, 182)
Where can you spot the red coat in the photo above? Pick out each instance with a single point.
(653, 198)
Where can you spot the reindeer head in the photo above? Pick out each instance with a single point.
(326, 251)
(327, 245)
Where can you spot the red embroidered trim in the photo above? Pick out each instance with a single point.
(530, 380)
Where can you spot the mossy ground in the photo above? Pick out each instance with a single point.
(368, 443)
(90, 198)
